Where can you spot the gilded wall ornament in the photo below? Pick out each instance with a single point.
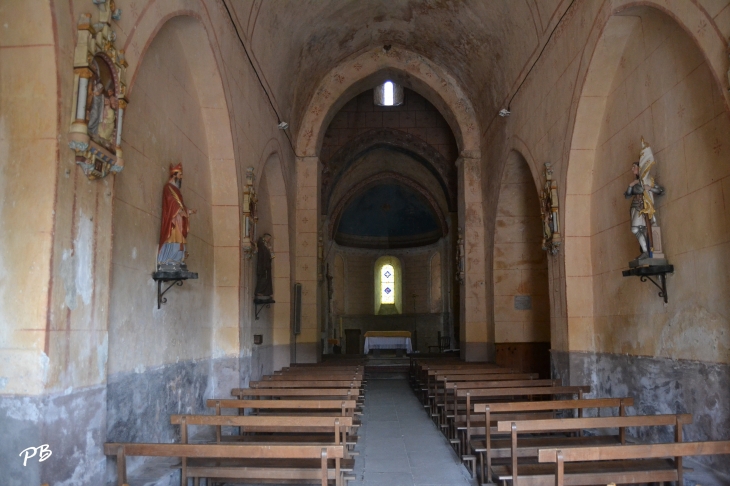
(100, 92)
(551, 238)
(250, 216)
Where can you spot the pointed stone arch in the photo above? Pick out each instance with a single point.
(440, 88)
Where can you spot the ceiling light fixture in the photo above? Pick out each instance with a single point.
(504, 112)
(283, 125)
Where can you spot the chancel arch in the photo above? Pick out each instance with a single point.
(335, 90)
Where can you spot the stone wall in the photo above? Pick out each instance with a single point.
(658, 386)
(356, 294)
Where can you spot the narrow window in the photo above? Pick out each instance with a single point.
(387, 285)
(388, 94)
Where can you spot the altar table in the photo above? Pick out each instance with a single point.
(388, 340)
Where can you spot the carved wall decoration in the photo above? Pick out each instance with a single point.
(100, 92)
(250, 216)
(551, 238)
(460, 259)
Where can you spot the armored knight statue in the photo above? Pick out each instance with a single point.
(643, 214)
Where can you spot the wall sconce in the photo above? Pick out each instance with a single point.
(258, 338)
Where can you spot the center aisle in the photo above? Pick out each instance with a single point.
(399, 445)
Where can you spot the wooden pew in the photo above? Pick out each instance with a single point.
(631, 454)
(273, 429)
(287, 407)
(490, 447)
(302, 463)
(535, 474)
(427, 377)
(477, 395)
(441, 403)
(314, 377)
(299, 393)
(306, 384)
(436, 379)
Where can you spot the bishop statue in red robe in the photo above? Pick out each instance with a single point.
(175, 224)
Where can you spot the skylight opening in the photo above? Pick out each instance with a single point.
(388, 94)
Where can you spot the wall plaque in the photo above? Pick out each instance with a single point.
(523, 302)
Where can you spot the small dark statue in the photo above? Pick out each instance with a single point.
(264, 293)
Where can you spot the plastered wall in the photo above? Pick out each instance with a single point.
(165, 125)
(355, 295)
(663, 90)
(520, 264)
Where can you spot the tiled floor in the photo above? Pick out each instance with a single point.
(399, 445)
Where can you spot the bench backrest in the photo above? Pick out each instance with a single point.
(471, 371)
(283, 404)
(314, 377)
(228, 451)
(570, 424)
(487, 377)
(350, 393)
(305, 384)
(522, 391)
(553, 405)
(643, 451)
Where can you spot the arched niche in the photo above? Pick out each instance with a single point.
(274, 322)
(179, 115)
(520, 268)
(648, 77)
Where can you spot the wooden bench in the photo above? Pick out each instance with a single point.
(490, 448)
(441, 404)
(437, 384)
(282, 429)
(422, 374)
(278, 463)
(306, 384)
(299, 393)
(287, 407)
(596, 457)
(540, 474)
(470, 396)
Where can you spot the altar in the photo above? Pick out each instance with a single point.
(388, 340)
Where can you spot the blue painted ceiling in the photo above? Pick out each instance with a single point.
(389, 210)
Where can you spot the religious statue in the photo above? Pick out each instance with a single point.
(250, 216)
(175, 224)
(100, 94)
(264, 292)
(550, 217)
(460, 255)
(643, 214)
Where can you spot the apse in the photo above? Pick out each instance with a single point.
(388, 215)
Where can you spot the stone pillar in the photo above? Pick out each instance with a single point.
(307, 218)
(476, 334)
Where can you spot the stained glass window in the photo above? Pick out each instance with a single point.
(387, 285)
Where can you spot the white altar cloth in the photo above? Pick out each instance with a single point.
(388, 343)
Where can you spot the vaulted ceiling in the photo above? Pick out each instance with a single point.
(487, 45)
